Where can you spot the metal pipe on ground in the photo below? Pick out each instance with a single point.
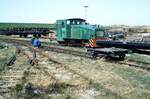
(135, 47)
(125, 45)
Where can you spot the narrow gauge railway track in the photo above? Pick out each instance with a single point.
(12, 75)
(61, 65)
(65, 51)
(135, 64)
(145, 65)
(46, 47)
(40, 51)
(26, 40)
(48, 70)
(86, 79)
(75, 74)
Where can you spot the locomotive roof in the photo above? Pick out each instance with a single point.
(77, 19)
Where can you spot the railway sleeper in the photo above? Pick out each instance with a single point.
(11, 60)
(33, 62)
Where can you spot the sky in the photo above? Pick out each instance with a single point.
(103, 12)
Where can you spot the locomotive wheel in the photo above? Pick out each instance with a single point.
(62, 43)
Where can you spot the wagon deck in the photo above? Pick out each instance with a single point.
(112, 52)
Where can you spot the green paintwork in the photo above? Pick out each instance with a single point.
(77, 29)
(61, 30)
(80, 32)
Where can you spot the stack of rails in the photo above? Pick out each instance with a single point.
(24, 29)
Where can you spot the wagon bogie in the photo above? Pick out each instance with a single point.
(107, 52)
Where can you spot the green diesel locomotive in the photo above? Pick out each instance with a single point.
(77, 31)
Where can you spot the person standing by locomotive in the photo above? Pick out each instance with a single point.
(35, 41)
(32, 40)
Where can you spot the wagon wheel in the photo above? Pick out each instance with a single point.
(94, 55)
(122, 56)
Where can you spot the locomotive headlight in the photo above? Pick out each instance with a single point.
(109, 36)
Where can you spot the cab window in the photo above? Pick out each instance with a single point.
(99, 34)
(78, 23)
(63, 24)
(68, 22)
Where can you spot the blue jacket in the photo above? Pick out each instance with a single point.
(36, 43)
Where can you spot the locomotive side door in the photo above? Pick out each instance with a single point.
(68, 29)
(61, 30)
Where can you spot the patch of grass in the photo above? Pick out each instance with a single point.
(139, 80)
(58, 87)
(105, 92)
(138, 58)
(25, 75)
(133, 75)
(67, 97)
(18, 87)
(6, 55)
